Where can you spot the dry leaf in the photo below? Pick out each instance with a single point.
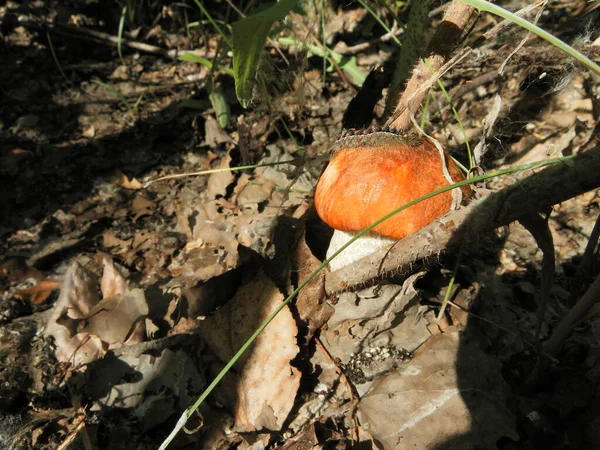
(89, 132)
(141, 207)
(443, 398)
(122, 180)
(219, 182)
(154, 386)
(77, 297)
(84, 325)
(268, 383)
(311, 303)
(41, 291)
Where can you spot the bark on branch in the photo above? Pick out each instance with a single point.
(534, 193)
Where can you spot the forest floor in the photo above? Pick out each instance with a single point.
(121, 300)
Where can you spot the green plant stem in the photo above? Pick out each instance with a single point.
(455, 114)
(450, 284)
(213, 23)
(381, 22)
(60, 69)
(120, 34)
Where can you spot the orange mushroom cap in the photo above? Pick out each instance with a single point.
(373, 172)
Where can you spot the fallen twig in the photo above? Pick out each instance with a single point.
(101, 37)
(562, 331)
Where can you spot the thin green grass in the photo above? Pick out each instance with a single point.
(189, 411)
(450, 284)
(131, 108)
(505, 14)
(380, 22)
(185, 8)
(323, 39)
(190, 57)
(348, 65)
(55, 58)
(456, 117)
(294, 162)
(214, 24)
(120, 35)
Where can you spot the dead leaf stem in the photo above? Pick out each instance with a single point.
(562, 331)
(448, 35)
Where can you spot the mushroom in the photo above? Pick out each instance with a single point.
(374, 171)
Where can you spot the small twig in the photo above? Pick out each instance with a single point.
(587, 261)
(101, 37)
(539, 229)
(354, 397)
(351, 391)
(562, 331)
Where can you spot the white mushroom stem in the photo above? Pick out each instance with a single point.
(363, 246)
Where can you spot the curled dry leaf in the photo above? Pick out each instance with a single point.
(311, 305)
(128, 183)
(41, 291)
(84, 325)
(268, 383)
(77, 296)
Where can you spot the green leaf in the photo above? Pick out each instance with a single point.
(249, 36)
(219, 103)
(347, 64)
(190, 57)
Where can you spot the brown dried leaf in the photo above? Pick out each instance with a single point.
(311, 304)
(268, 383)
(141, 207)
(219, 181)
(118, 317)
(83, 325)
(435, 401)
(122, 180)
(112, 282)
(153, 386)
(114, 244)
(41, 291)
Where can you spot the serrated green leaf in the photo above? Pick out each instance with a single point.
(249, 36)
